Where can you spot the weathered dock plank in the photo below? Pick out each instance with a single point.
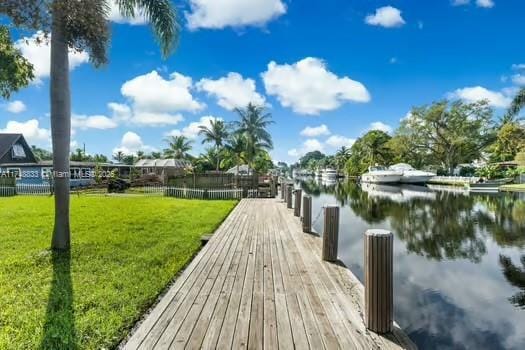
(260, 282)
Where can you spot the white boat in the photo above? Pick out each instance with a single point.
(411, 175)
(329, 174)
(381, 175)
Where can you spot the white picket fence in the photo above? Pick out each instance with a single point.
(25, 189)
(199, 193)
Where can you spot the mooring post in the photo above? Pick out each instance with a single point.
(297, 207)
(330, 232)
(379, 296)
(307, 214)
(283, 186)
(289, 190)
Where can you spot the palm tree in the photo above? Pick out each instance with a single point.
(515, 107)
(118, 156)
(341, 157)
(235, 148)
(216, 133)
(178, 147)
(254, 120)
(82, 26)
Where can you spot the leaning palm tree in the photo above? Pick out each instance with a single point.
(235, 148)
(215, 133)
(81, 26)
(178, 147)
(253, 124)
(518, 103)
(341, 157)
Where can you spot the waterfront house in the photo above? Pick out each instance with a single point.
(17, 160)
(163, 168)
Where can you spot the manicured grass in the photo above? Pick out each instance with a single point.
(125, 251)
(515, 187)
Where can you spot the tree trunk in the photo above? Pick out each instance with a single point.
(60, 131)
(218, 159)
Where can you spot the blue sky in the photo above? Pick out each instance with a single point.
(327, 70)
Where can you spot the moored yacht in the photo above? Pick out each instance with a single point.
(411, 175)
(381, 174)
(329, 174)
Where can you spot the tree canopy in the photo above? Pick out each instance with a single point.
(15, 71)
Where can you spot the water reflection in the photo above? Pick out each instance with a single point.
(457, 281)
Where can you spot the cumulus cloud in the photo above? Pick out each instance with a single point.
(381, 126)
(100, 122)
(478, 93)
(116, 16)
(308, 87)
(33, 133)
(16, 107)
(518, 79)
(131, 143)
(232, 91)
(155, 101)
(388, 17)
(485, 3)
(191, 131)
(216, 14)
(338, 141)
(314, 131)
(39, 54)
(309, 145)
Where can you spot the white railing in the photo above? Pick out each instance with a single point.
(33, 189)
(455, 179)
(253, 193)
(200, 193)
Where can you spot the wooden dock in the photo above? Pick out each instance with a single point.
(260, 283)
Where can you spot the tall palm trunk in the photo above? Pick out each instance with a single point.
(60, 131)
(218, 159)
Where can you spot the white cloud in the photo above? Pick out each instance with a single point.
(309, 145)
(388, 17)
(191, 131)
(518, 79)
(232, 91)
(39, 54)
(100, 122)
(309, 88)
(313, 131)
(485, 3)
(116, 17)
(518, 66)
(381, 126)
(131, 143)
(16, 107)
(460, 2)
(338, 141)
(33, 133)
(151, 92)
(156, 101)
(218, 14)
(478, 93)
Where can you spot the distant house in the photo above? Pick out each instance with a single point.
(240, 170)
(17, 160)
(163, 168)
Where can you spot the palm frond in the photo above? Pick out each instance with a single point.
(518, 103)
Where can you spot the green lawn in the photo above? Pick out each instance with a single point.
(125, 251)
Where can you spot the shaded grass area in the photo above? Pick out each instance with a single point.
(125, 251)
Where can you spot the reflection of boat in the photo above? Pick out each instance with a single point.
(487, 186)
(318, 173)
(380, 174)
(399, 194)
(329, 174)
(411, 175)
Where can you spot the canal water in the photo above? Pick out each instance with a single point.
(459, 258)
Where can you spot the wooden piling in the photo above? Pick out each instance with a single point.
(283, 187)
(307, 214)
(289, 190)
(297, 207)
(330, 232)
(378, 265)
